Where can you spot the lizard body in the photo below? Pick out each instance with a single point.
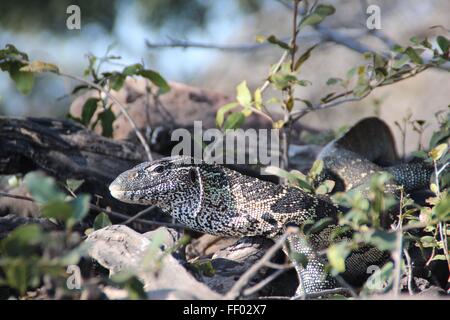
(216, 200)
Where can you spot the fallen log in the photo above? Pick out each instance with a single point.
(67, 150)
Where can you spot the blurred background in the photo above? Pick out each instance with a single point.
(145, 30)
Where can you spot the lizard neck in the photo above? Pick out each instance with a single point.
(231, 204)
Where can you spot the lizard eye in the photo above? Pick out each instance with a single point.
(158, 169)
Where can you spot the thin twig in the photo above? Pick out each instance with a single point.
(274, 298)
(263, 283)
(397, 255)
(119, 104)
(139, 214)
(320, 294)
(409, 270)
(442, 226)
(334, 101)
(236, 290)
(185, 44)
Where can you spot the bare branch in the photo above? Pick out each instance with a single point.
(263, 283)
(186, 44)
(235, 291)
(409, 271)
(119, 104)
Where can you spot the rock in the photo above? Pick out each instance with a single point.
(119, 248)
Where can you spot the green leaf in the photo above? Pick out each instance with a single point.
(413, 55)
(316, 169)
(290, 104)
(307, 103)
(116, 81)
(326, 187)
(80, 207)
(439, 257)
(89, 108)
(443, 43)
(57, 209)
(156, 79)
(419, 154)
(297, 178)
(303, 83)
(42, 188)
(132, 69)
(243, 94)
(24, 80)
(204, 267)
(16, 276)
(73, 184)
(135, 289)
(385, 241)
(294, 177)
(13, 182)
(258, 99)
(305, 56)
(438, 137)
(333, 81)
(234, 120)
(351, 73)
(20, 240)
(318, 15)
(101, 221)
(40, 66)
(282, 80)
(275, 40)
(361, 89)
(107, 118)
(380, 280)
(337, 253)
(399, 63)
(319, 226)
(220, 115)
(428, 242)
(437, 152)
(442, 209)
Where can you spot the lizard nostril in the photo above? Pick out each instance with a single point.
(132, 175)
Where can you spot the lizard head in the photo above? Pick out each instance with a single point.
(157, 182)
(204, 197)
(189, 191)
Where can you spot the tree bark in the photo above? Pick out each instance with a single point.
(67, 150)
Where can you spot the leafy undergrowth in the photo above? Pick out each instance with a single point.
(42, 261)
(47, 261)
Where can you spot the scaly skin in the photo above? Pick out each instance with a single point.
(216, 200)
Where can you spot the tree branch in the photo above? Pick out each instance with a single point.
(235, 291)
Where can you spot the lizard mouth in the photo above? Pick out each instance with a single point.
(129, 196)
(117, 192)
